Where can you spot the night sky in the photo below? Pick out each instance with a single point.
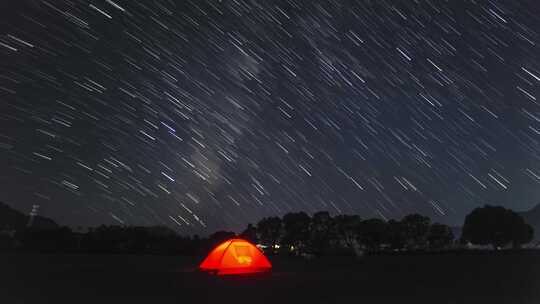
(206, 115)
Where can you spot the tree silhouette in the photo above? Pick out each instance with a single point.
(440, 236)
(220, 237)
(297, 231)
(373, 233)
(347, 231)
(496, 226)
(415, 228)
(250, 234)
(524, 235)
(270, 231)
(395, 234)
(322, 232)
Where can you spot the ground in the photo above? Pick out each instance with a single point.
(504, 277)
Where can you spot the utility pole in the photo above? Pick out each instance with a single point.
(33, 213)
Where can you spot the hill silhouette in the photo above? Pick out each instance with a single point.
(11, 219)
(532, 217)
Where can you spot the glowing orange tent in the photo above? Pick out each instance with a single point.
(235, 256)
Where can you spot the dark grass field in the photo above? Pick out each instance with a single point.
(502, 277)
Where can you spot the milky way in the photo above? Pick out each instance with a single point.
(205, 115)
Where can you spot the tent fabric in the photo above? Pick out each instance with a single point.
(235, 256)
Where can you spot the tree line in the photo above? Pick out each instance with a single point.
(322, 234)
(112, 239)
(295, 233)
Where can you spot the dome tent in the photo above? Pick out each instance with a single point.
(235, 256)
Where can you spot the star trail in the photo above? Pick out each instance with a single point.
(205, 115)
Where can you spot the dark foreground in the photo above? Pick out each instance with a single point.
(449, 278)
